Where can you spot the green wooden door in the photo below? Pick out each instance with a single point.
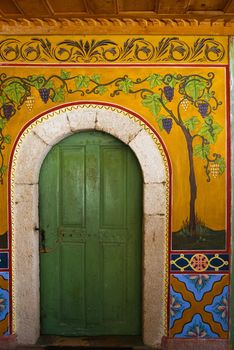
(90, 221)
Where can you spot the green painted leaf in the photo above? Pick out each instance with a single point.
(159, 121)
(96, 78)
(59, 95)
(125, 85)
(210, 132)
(101, 89)
(49, 84)
(201, 151)
(2, 99)
(191, 123)
(82, 81)
(207, 96)
(154, 80)
(3, 123)
(195, 88)
(222, 164)
(7, 139)
(37, 81)
(152, 102)
(3, 170)
(15, 92)
(172, 83)
(64, 74)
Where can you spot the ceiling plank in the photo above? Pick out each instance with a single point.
(86, 5)
(117, 6)
(10, 8)
(98, 7)
(211, 5)
(68, 7)
(173, 6)
(32, 7)
(136, 6)
(229, 8)
(156, 6)
(48, 5)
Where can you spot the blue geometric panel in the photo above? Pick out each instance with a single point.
(196, 329)
(3, 260)
(219, 308)
(4, 303)
(199, 284)
(5, 275)
(177, 306)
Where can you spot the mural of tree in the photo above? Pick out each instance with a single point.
(169, 97)
(196, 91)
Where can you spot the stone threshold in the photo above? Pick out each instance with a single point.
(101, 342)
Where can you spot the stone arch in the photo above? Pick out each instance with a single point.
(31, 147)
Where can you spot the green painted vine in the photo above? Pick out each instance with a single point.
(156, 93)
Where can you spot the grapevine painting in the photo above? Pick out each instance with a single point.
(184, 102)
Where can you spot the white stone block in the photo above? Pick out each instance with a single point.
(26, 263)
(154, 277)
(82, 119)
(117, 125)
(31, 154)
(154, 199)
(149, 157)
(54, 129)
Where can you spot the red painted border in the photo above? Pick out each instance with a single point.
(228, 150)
(112, 65)
(10, 169)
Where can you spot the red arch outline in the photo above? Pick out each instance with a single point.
(53, 109)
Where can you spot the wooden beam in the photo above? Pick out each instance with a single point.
(109, 26)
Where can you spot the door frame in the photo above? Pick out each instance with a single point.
(30, 149)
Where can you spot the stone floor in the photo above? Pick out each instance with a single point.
(101, 342)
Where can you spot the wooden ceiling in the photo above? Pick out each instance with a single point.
(117, 17)
(116, 8)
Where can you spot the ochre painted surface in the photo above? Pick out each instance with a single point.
(211, 206)
(179, 86)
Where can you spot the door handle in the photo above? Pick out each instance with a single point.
(41, 240)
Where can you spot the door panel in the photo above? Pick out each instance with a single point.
(72, 167)
(72, 259)
(114, 265)
(90, 210)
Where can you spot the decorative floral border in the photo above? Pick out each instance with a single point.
(135, 49)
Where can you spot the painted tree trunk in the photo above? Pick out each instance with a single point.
(192, 182)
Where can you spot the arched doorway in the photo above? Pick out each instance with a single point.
(90, 200)
(31, 147)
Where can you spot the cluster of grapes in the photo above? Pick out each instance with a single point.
(8, 110)
(168, 92)
(167, 124)
(203, 108)
(184, 103)
(214, 169)
(30, 102)
(45, 94)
